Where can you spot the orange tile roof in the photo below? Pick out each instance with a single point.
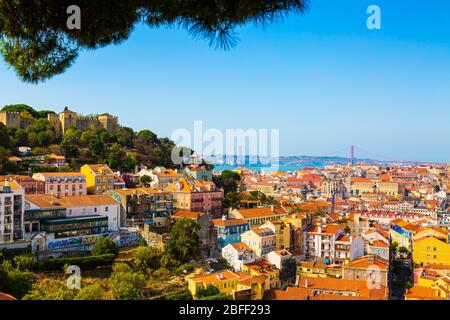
(50, 201)
(61, 174)
(228, 222)
(241, 247)
(12, 184)
(422, 293)
(98, 167)
(4, 296)
(261, 212)
(216, 277)
(368, 262)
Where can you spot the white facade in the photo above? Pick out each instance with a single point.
(112, 211)
(11, 212)
(237, 256)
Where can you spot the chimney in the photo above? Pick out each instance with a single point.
(271, 208)
(224, 217)
(306, 283)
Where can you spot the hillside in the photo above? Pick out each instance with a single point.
(121, 149)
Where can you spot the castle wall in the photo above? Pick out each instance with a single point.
(10, 119)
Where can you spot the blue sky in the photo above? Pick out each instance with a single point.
(323, 79)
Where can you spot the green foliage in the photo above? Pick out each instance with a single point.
(91, 292)
(145, 180)
(25, 262)
(209, 291)
(229, 181)
(47, 289)
(184, 243)
(15, 282)
(104, 246)
(21, 108)
(221, 264)
(185, 295)
(125, 282)
(147, 258)
(220, 296)
(85, 263)
(38, 45)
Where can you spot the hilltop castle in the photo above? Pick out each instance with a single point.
(64, 121)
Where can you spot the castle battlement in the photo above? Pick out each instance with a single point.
(64, 120)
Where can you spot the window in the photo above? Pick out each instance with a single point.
(106, 209)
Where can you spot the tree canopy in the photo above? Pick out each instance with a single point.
(37, 43)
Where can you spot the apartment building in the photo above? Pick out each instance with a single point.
(63, 184)
(99, 178)
(11, 212)
(229, 231)
(329, 241)
(258, 216)
(261, 241)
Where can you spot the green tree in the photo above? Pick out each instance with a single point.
(184, 243)
(91, 292)
(21, 108)
(185, 295)
(116, 154)
(4, 136)
(129, 164)
(104, 246)
(50, 289)
(145, 180)
(25, 262)
(69, 148)
(147, 258)
(209, 291)
(21, 137)
(125, 282)
(38, 45)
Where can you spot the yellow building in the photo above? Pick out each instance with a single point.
(99, 178)
(402, 233)
(264, 268)
(226, 281)
(317, 268)
(391, 188)
(256, 285)
(282, 231)
(358, 186)
(258, 216)
(430, 250)
(261, 241)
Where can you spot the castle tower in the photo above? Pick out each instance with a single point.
(10, 119)
(54, 120)
(109, 122)
(67, 118)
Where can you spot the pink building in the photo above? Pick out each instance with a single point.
(63, 184)
(200, 196)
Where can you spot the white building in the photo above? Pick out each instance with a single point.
(330, 242)
(161, 177)
(238, 254)
(11, 212)
(79, 206)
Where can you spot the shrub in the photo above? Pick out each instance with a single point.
(184, 295)
(86, 263)
(104, 246)
(25, 262)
